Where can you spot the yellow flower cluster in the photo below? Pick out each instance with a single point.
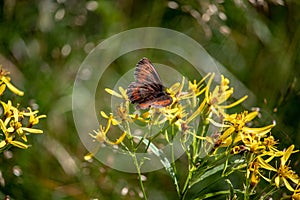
(15, 124)
(258, 141)
(195, 107)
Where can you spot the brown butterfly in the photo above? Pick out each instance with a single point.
(147, 90)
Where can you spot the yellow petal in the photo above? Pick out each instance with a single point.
(265, 165)
(208, 86)
(115, 122)
(88, 156)
(2, 126)
(217, 124)
(113, 93)
(12, 87)
(2, 143)
(277, 181)
(286, 155)
(103, 114)
(24, 138)
(227, 133)
(175, 88)
(295, 179)
(235, 103)
(197, 112)
(10, 129)
(288, 185)
(19, 144)
(146, 115)
(120, 138)
(203, 79)
(32, 130)
(261, 131)
(123, 93)
(2, 88)
(251, 116)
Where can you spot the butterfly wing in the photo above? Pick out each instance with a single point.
(148, 90)
(148, 95)
(142, 92)
(146, 73)
(161, 101)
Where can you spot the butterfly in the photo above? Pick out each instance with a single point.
(147, 90)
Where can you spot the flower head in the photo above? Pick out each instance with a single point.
(284, 172)
(5, 82)
(101, 134)
(16, 125)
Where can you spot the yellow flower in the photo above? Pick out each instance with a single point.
(100, 134)
(252, 144)
(7, 108)
(195, 89)
(33, 117)
(12, 125)
(198, 88)
(270, 143)
(111, 118)
(296, 195)
(16, 126)
(161, 115)
(236, 123)
(220, 94)
(176, 89)
(5, 80)
(253, 169)
(284, 172)
(9, 138)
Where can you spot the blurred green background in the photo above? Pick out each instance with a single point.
(44, 42)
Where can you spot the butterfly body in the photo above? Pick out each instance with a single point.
(148, 90)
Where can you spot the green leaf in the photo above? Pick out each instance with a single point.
(203, 181)
(208, 173)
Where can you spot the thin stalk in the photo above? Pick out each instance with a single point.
(173, 163)
(135, 160)
(187, 182)
(247, 185)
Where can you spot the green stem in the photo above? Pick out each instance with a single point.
(174, 165)
(213, 194)
(135, 160)
(187, 182)
(202, 128)
(247, 185)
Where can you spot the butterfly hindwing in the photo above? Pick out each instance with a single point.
(159, 102)
(162, 101)
(141, 92)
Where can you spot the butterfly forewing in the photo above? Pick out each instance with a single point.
(145, 72)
